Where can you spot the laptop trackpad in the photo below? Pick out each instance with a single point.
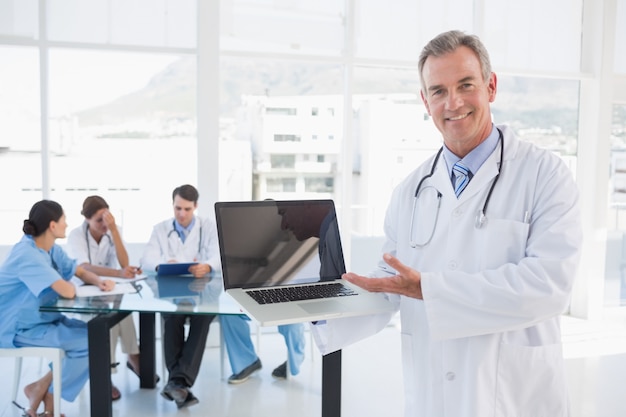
(321, 307)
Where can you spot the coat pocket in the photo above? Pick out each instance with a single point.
(531, 382)
(503, 241)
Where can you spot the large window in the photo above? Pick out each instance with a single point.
(525, 36)
(119, 122)
(316, 99)
(295, 28)
(620, 38)
(286, 110)
(615, 272)
(121, 97)
(119, 128)
(20, 138)
(156, 23)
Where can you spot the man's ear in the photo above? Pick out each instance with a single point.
(493, 87)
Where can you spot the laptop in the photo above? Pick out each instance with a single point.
(282, 262)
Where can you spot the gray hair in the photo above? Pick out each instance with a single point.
(447, 42)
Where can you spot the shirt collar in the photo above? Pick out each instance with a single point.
(475, 159)
(181, 229)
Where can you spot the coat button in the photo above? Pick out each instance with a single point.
(453, 264)
(450, 376)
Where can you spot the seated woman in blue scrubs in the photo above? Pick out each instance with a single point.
(35, 272)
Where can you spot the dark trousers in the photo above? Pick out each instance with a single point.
(183, 357)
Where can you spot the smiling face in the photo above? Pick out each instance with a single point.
(458, 98)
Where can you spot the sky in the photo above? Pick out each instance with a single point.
(79, 79)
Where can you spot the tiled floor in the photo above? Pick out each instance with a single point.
(596, 366)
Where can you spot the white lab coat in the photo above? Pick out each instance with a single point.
(84, 248)
(486, 340)
(200, 246)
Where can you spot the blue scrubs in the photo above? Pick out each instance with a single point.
(25, 280)
(241, 350)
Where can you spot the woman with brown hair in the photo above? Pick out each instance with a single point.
(98, 247)
(37, 271)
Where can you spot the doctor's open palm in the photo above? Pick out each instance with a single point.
(407, 281)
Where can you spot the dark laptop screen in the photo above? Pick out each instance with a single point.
(270, 243)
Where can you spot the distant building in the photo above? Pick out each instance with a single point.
(296, 143)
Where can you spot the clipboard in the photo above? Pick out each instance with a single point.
(175, 268)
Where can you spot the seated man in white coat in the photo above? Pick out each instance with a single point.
(482, 247)
(184, 238)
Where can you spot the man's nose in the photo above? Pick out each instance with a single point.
(453, 101)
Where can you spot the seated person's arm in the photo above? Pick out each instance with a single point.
(64, 288)
(89, 277)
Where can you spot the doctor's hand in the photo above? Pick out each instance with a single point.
(129, 271)
(106, 285)
(406, 282)
(200, 270)
(109, 220)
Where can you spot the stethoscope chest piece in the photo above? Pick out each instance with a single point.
(481, 219)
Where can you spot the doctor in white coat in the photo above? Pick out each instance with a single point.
(97, 246)
(480, 279)
(184, 238)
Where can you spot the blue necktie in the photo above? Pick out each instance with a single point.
(461, 177)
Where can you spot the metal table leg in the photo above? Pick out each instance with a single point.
(331, 384)
(99, 341)
(147, 359)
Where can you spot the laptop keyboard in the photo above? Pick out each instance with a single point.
(306, 292)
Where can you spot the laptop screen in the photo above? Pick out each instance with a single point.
(270, 243)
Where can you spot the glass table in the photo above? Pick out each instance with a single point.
(164, 294)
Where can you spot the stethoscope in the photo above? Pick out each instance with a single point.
(89, 246)
(481, 218)
(174, 230)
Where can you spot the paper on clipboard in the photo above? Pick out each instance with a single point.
(94, 291)
(125, 280)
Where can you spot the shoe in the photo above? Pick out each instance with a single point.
(189, 401)
(281, 371)
(26, 412)
(245, 374)
(130, 366)
(115, 393)
(175, 391)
